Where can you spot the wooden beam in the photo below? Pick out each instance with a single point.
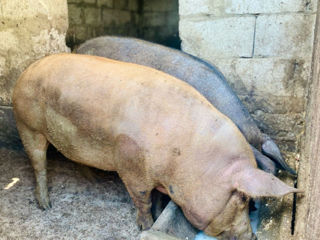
(308, 209)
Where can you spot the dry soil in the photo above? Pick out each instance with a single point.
(81, 209)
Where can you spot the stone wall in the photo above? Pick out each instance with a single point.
(264, 49)
(29, 30)
(92, 18)
(159, 23)
(154, 20)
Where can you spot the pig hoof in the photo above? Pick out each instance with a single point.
(145, 222)
(44, 202)
(45, 205)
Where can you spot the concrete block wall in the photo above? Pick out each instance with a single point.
(92, 18)
(154, 20)
(264, 49)
(29, 30)
(159, 23)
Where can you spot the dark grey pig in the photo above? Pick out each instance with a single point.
(201, 75)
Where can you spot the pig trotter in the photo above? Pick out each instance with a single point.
(144, 216)
(42, 190)
(270, 149)
(144, 220)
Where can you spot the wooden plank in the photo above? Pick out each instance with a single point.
(308, 208)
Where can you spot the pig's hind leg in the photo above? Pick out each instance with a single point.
(35, 145)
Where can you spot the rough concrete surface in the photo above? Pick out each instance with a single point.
(148, 19)
(217, 38)
(229, 7)
(81, 209)
(29, 30)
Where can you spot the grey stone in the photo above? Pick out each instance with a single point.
(284, 35)
(173, 222)
(218, 38)
(156, 235)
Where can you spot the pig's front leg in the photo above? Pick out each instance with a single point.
(141, 196)
(130, 163)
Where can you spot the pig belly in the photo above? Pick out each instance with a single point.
(76, 145)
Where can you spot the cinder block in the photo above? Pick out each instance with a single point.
(105, 3)
(266, 76)
(116, 17)
(154, 19)
(218, 38)
(89, 1)
(79, 32)
(75, 1)
(289, 35)
(189, 7)
(75, 16)
(92, 15)
(121, 4)
(160, 5)
(227, 7)
(270, 6)
(133, 5)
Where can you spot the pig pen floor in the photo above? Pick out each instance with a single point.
(81, 209)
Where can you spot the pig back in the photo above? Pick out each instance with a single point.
(204, 77)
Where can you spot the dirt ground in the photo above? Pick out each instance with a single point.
(81, 209)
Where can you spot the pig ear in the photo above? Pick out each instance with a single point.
(256, 183)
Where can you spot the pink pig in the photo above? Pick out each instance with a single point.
(153, 129)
